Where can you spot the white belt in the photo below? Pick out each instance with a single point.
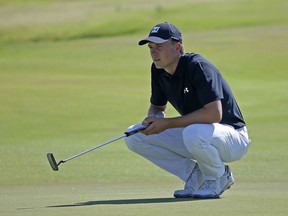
(243, 129)
(244, 132)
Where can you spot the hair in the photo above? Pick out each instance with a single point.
(182, 48)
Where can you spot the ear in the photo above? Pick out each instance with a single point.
(178, 46)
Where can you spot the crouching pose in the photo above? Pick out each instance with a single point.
(209, 131)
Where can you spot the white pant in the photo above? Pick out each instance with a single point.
(177, 150)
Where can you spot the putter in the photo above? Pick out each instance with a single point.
(55, 166)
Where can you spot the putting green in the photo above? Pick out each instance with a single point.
(64, 88)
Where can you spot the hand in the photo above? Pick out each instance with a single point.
(155, 125)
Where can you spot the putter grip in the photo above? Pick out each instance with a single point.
(129, 133)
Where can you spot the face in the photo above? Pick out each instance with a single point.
(165, 55)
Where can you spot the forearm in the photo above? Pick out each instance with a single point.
(209, 114)
(197, 117)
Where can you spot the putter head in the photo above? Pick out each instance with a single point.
(52, 161)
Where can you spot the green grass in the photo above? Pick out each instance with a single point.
(128, 199)
(72, 77)
(68, 20)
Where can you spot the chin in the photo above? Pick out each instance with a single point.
(158, 66)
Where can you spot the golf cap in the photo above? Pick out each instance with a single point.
(161, 33)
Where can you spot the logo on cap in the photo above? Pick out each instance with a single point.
(155, 29)
(161, 33)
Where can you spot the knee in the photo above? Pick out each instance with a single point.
(131, 143)
(136, 143)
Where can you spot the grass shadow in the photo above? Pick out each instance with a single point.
(126, 202)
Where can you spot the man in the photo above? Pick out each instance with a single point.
(210, 130)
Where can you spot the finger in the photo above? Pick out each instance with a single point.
(149, 130)
(147, 121)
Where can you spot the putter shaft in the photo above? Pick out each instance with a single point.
(55, 165)
(91, 149)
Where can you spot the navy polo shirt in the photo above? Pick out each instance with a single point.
(195, 83)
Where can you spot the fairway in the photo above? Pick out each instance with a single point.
(72, 77)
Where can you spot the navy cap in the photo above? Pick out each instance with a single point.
(161, 33)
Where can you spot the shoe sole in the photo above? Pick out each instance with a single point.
(228, 186)
(206, 197)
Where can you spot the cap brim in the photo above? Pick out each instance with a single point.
(152, 39)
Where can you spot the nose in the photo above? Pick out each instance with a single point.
(153, 51)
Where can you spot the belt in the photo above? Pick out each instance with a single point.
(244, 132)
(243, 129)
